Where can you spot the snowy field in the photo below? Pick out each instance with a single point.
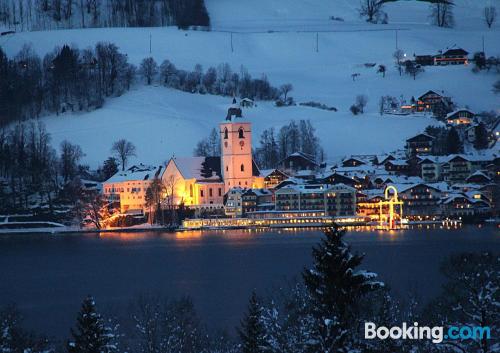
(162, 122)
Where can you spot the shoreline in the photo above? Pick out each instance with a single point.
(169, 229)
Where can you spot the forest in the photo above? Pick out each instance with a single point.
(69, 79)
(36, 15)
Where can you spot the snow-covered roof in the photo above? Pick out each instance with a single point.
(260, 192)
(433, 159)
(479, 173)
(317, 188)
(442, 186)
(458, 110)
(403, 179)
(482, 156)
(400, 162)
(373, 193)
(468, 196)
(135, 173)
(199, 168)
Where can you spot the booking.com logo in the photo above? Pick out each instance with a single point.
(436, 334)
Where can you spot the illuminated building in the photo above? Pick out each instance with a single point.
(202, 182)
(334, 200)
(129, 187)
(419, 144)
(460, 117)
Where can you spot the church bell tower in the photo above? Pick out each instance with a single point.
(236, 147)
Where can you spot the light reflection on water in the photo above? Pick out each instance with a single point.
(238, 235)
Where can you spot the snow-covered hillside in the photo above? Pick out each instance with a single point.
(162, 122)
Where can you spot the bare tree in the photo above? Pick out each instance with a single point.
(285, 89)
(123, 150)
(413, 69)
(398, 55)
(382, 69)
(148, 69)
(169, 186)
(96, 210)
(371, 9)
(442, 13)
(361, 101)
(490, 15)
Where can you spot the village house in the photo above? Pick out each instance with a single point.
(437, 103)
(368, 203)
(383, 158)
(424, 60)
(128, 188)
(456, 56)
(465, 204)
(422, 199)
(257, 200)
(298, 161)
(335, 200)
(431, 168)
(421, 144)
(234, 202)
(397, 166)
(460, 117)
(334, 178)
(478, 177)
(246, 103)
(355, 161)
(272, 177)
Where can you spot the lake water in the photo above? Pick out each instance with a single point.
(47, 276)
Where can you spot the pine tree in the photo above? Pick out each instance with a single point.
(481, 141)
(336, 289)
(453, 142)
(90, 334)
(109, 168)
(252, 332)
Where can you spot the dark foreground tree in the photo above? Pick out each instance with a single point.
(13, 339)
(470, 297)
(481, 140)
(453, 142)
(336, 288)
(109, 168)
(168, 326)
(252, 331)
(90, 334)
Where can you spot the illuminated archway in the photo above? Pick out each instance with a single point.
(395, 212)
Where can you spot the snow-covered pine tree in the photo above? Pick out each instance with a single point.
(336, 289)
(90, 334)
(181, 329)
(252, 331)
(470, 297)
(14, 339)
(288, 322)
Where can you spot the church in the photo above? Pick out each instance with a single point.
(202, 182)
